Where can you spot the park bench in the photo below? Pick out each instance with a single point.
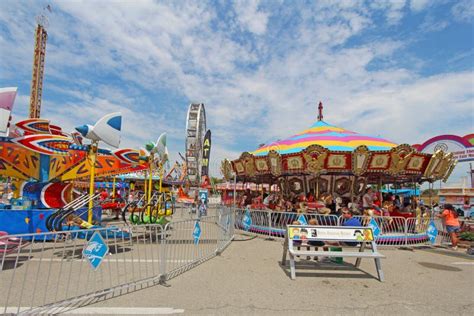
(297, 236)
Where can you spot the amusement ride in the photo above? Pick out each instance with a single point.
(43, 163)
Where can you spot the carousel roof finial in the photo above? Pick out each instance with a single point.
(320, 110)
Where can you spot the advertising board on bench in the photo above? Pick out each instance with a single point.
(331, 233)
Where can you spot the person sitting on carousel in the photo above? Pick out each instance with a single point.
(367, 217)
(303, 207)
(368, 200)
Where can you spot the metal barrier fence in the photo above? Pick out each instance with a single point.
(47, 272)
(394, 231)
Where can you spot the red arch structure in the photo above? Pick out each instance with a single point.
(461, 147)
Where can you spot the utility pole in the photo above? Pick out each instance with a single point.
(471, 171)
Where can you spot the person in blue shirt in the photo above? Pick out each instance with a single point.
(349, 220)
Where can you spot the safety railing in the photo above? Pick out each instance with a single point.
(48, 273)
(392, 231)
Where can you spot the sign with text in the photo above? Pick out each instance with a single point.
(203, 195)
(95, 250)
(206, 153)
(330, 233)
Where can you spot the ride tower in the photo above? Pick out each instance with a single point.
(39, 55)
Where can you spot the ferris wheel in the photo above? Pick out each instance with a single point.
(195, 132)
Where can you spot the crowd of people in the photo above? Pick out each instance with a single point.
(356, 212)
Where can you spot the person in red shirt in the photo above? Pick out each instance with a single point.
(104, 195)
(453, 226)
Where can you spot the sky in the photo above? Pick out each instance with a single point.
(401, 70)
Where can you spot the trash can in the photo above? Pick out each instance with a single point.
(338, 260)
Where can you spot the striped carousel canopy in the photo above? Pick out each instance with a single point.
(328, 136)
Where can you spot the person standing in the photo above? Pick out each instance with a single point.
(453, 226)
(368, 199)
(467, 208)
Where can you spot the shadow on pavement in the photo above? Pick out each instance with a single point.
(327, 268)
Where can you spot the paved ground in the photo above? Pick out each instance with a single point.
(247, 279)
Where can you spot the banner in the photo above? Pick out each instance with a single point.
(461, 147)
(206, 153)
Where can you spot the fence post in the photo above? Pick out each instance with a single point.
(406, 232)
(269, 218)
(163, 254)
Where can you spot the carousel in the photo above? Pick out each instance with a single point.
(325, 159)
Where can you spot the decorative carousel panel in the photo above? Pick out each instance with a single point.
(315, 157)
(239, 167)
(443, 167)
(450, 170)
(339, 162)
(322, 186)
(296, 185)
(360, 160)
(400, 156)
(293, 163)
(416, 163)
(379, 162)
(249, 164)
(435, 160)
(274, 160)
(360, 185)
(342, 186)
(261, 165)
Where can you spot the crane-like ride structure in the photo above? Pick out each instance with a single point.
(39, 55)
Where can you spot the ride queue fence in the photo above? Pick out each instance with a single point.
(394, 231)
(47, 273)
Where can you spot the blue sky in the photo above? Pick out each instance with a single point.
(402, 70)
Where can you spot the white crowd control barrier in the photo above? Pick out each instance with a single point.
(392, 231)
(56, 271)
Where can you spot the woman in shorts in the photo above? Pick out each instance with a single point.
(453, 226)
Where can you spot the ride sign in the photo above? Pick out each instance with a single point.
(247, 220)
(196, 232)
(203, 195)
(95, 250)
(432, 232)
(375, 227)
(302, 220)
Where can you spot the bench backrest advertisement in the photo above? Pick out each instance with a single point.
(359, 234)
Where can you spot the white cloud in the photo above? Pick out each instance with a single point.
(419, 5)
(393, 9)
(463, 11)
(250, 17)
(432, 24)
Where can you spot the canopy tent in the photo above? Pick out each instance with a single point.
(328, 136)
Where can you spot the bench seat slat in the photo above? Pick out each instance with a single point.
(337, 254)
